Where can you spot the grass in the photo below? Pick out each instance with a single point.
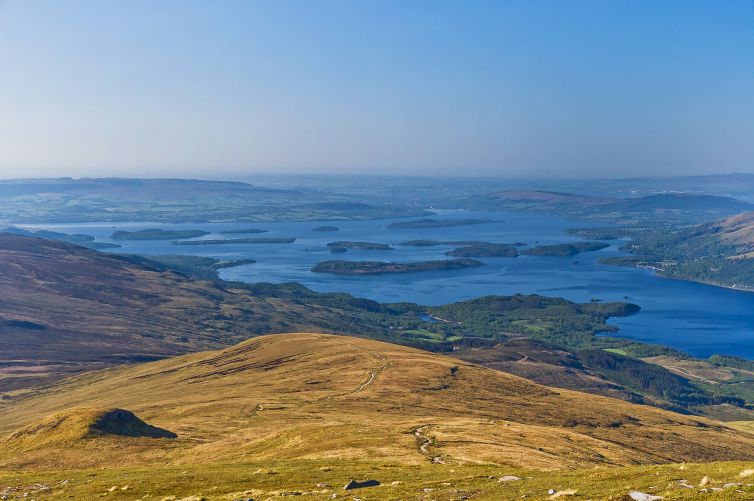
(617, 351)
(319, 480)
(423, 333)
(302, 414)
(318, 397)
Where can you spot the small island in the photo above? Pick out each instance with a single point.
(429, 243)
(325, 228)
(156, 234)
(261, 240)
(436, 223)
(379, 267)
(243, 231)
(336, 246)
(565, 250)
(484, 249)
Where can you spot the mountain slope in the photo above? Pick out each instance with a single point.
(736, 230)
(718, 253)
(317, 396)
(64, 308)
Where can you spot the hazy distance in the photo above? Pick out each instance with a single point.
(514, 88)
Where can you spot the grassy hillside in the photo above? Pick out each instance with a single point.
(288, 412)
(317, 396)
(64, 309)
(718, 253)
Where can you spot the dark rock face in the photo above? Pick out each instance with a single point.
(124, 423)
(354, 484)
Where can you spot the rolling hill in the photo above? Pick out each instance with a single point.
(659, 208)
(277, 414)
(550, 198)
(64, 308)
(316, 396)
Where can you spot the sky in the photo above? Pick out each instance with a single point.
(529, 88)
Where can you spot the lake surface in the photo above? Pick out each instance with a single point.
(696, 318)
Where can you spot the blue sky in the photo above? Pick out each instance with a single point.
(510, 88)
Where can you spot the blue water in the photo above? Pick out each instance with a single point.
(696, 318)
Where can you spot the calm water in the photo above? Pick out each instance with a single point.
(696, 318)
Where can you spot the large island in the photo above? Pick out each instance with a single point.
(565, 250)
(344, 244)
(379, 267)
(223, 241)
(436, 223)
(156, 234)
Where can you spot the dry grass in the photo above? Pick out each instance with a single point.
(700, 370)
(321, 397)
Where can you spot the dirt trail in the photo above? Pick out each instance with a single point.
(374, 373)
(371, 378)
(425, 442)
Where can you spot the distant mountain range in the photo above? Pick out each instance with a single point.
(177, 200)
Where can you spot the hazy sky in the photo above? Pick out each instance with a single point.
(530, 87)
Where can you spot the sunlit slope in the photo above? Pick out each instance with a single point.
(64, 308)
(318, 396)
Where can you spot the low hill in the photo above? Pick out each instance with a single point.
(317, 396)
(82, 423)
(683, 201)
(660, 208)
(551, 198)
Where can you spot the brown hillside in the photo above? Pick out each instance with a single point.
(316, 396)
(737, 230)
(64, 308)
